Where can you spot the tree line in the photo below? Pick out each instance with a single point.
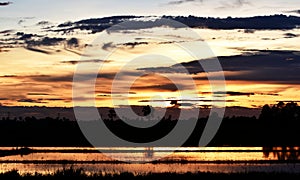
(277, 125)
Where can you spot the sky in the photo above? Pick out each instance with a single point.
(67, 10)
(44, 43)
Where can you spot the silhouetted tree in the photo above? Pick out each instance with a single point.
(112, 114)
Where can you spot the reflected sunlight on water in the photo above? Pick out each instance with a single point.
(183, 159)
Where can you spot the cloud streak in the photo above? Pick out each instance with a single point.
(5, 3)
(233, 5)
(294, 11)
(182, 2)
(273, 66)
(74, 62)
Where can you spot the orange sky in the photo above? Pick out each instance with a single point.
(42, 74)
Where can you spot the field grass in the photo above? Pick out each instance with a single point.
(72, 173)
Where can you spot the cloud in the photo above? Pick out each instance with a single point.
(86, 61)
(34, 45)
(51, 99)
(236, 93)
(187, 100)
(276, 66)
(25, 36)
(6, 31)
(37, 94)
(141, 22)
(293, 11)
(165, 87)
(108, 46)
(62, 78)
(21, 21)
(27, 100)
(249, 30)
(38, 50)
(73, 42)
(133, 44)
(5, 3)
(46, 41)
(234, 4)
(290, 35)
(230, 93)
(43, 23)
(106, 92)
(176, 2)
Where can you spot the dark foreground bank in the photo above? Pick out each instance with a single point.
(79, 174)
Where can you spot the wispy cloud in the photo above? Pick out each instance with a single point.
(293, 11)
(182, 2)
(236, 93)
(5, 3)
(108, 46)
(86, 61)
(133, 44)
(234, 4)
(28, 100)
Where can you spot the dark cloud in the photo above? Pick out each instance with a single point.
(73, 42)
(108, 46)
(51, 99)
(249, 30)
(187, 100)
(182, 2)
(165, 87)
(63, 78)
(6, 31)
(275, 66)
(86, 61)
(37, 94)
(230, 93)
(235, 93)
(290, 35)
(21, 21)
(8, 76)
(46, 41)
(49, 78)
(139, 22)
(133, 44)
(27, 100)
(43, 23)
(38, 50)
(108, 93)
(171, 42)
(5, 3)
(294, 11)
(26, 36)
(66, 77)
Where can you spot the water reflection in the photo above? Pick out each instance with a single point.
(193, 159)
(282, 153)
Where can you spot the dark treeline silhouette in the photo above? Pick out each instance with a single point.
(277, 125)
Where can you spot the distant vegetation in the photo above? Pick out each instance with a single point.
(277, 125)
(80, 174)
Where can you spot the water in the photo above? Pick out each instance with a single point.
(139, 160)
